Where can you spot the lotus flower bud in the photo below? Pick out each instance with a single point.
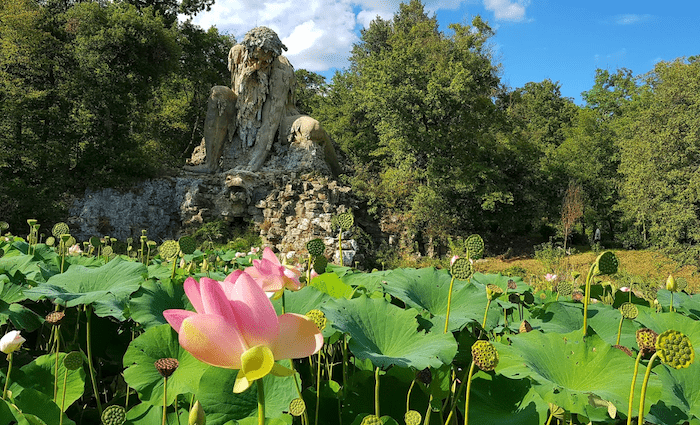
(197, 416)
(11, 342)
(671, 284)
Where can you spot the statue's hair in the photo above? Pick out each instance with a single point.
(264, 38)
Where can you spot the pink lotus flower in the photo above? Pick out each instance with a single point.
(11, 341)
(236, 327)
(75, 250)
(549, 277)
(272, 276)
(453, 259)
(625, 289)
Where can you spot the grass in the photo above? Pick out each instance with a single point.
(648, 265)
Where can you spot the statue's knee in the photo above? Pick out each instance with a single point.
(223, 93)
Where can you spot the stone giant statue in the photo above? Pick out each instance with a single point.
(244, 122)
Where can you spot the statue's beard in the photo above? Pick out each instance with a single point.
(252, 93)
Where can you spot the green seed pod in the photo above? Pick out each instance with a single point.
(606, 263)
(187, 244)
(646, 340)
(197, 416)
(475, 246)
(671, 284)
(59, 229)
(166, 366)
(31, 222)
(151, 244)
(50, 241)
(681, 284)
(675, 349)
(316, 247)
(297, 407)
(629, 310)
(412, 418)
(345, 220)
(73, 360)
(107, 251)
(65, 238)
(169, 249)
(114, 415)
(4, 226)
(318, 318)
(493, 291)
(485, 355)
(462, 269)
(95, 241)
(565, 288)
(320, 264)
(371, 420)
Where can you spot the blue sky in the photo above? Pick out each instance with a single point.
(561, 40)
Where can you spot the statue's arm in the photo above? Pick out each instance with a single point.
(275, 107)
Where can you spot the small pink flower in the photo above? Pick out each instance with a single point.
(272, 275)
(453, 259)
(240, 254)
(75, 250)
(549, 277)
(254, 250)
(625, 289)
(235, 327)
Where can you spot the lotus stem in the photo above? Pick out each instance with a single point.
(619, 330)
(634, 381)
(345, 364)
(408, 396)
(426, 421)
(172, 275)
(63, 397)
(449, 304)
(671, 307)
(644, 388)
(551, 415)
(318, 387)
(376, 392)
(88, 314)
(586, 297)
(340, 246)
(488, 303)
(165, 393)
(469, 386)
(7, 379)
(261, 402)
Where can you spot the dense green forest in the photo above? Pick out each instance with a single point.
(100, 93)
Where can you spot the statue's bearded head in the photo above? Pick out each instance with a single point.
(262, 46)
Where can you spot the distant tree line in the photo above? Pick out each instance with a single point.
(99, 93)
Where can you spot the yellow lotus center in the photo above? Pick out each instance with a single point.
(257, 362)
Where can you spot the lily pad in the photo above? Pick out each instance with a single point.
(428, 289)
(332, 285)
(496, 399)
(152, 298)
(156, 343)
(39, 375)
(105, 287)
(387, 335)
(569, 369)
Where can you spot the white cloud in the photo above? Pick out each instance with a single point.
(504, 10)
(320, 33)
(630, 19)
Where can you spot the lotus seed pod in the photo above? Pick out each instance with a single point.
(4, 226)
(462, 269)
(107, 251)
(412, 418)
(144, 232)
(525, 326)
(681, 284)
(297, 407)
(55, 317)
(114, 415)
(485, 355)
(606, 263)
(50, 241)
(73, 360)
(59, 229)
(31, 222)
(425, 376)
(315, 247)
(196, 416)
(318, 318)
(475, 246)
(345, 220)
(671, 284)
(371, 420)
(624, 349)
(629, 310)
(169, 249)
(187, 244)
(514, 298)
(675, 349)
(577, 296)
(565, 288)
(95, 241)
(166, 366)
(512, 284)
(646, 340)
(493, 291)
(320, 264)
(65, 237)
(151, 244)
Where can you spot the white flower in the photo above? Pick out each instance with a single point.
(11, 342)
(75, 250)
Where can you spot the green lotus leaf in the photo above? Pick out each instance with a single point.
(605, 321)
(303, 301)
(559, 317)
(156, 343)
(81, 285)
(35, 268)
(152, 298)
(20, 316)
(682, 302)
(285, 419)
(39, 375)
(11, 292)
(502, 282)
(371, 282)
(568, 369)
(148, 414)
(496, 399)
(387, 335)
(332, 285)
(160, 271)
(35, 403)
(222, 405)
(428, 289)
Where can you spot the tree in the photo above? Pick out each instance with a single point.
(310, 90)
(571, 210)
